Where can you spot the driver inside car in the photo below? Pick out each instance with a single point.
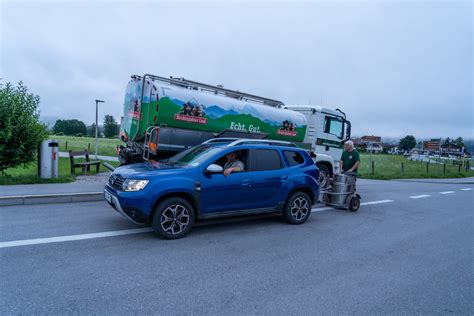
(233, 164)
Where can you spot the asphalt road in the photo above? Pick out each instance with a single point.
(408, 252)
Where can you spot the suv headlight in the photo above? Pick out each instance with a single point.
(134, 185)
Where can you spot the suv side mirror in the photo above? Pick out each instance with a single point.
(214, 169)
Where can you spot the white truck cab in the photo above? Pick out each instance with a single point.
(326, 132)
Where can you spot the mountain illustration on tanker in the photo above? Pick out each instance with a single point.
(227, 116)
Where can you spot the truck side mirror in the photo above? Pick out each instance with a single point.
(214, 169)
(348, 130)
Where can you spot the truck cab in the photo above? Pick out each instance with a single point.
(326, 132)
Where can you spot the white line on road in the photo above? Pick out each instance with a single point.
(321, 209)
(419, 196)
(38, 241)
(446, 192)
(365, 203)
(49, 240)
(466, 189)
(376, 202)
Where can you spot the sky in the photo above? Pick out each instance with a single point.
(395, 67)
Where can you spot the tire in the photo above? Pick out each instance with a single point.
(354, 204)
(173, 218)
(324, 175)
(297, 208)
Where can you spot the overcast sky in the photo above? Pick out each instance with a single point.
(395, 67)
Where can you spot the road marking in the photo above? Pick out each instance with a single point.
(38, 241)
(321, 209)
(365, 203)
(446, 192)
(49, 240)
(419, 196)
(466, 189)
(377, 202)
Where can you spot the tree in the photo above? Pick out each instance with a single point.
(111, 127)
(407, 143)
(70, 127)
(91, 130)
(459, 142)
(20, 128)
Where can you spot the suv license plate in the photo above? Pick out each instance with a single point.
(108, 196)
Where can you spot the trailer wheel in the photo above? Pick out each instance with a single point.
(324, 175)
(354, 204)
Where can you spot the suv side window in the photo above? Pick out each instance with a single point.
(267, 159)
(294, 158)
(242, 156)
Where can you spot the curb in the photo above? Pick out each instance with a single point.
(51, 198)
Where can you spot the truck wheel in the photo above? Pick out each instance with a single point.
(324, 175)
(297, 208)
(173, 218)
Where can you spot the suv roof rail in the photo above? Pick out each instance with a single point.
(261, 142)
(220, 140)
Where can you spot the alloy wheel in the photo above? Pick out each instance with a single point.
(174, 219)
(299, 208)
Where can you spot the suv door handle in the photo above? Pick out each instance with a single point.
(246, 182)
(284, 177)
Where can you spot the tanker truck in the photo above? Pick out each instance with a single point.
(163, 116)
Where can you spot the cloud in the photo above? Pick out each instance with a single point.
(394, 67)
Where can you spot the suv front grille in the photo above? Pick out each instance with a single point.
(116, 181)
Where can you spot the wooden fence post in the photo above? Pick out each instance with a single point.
(444, 168)
(427, 167)
(403, 168)
(459, 168)
(373, 167)
(89, 147)
(66, 145)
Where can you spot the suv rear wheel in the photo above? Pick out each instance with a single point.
(297, 208)
(173, 218)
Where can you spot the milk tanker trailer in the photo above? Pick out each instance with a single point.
(163, 116)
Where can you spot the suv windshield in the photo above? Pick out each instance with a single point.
(193, 156)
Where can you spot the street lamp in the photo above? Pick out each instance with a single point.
(96, 125)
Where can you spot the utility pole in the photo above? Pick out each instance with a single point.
(97, 125)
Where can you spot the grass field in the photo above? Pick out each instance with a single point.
(107, 146)
(386, 166)
(389, 167)
(29, 174)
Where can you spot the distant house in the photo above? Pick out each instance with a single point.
(433, 145)
(369, 143)
(371, 139)
(451, 149)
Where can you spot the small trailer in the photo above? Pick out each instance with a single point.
(341, 192)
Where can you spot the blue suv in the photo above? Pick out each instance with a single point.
(271, 177)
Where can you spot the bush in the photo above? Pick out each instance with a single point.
(20, 129)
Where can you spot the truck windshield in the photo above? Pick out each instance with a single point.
(193, 156)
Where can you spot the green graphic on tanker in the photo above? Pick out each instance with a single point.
(215, 118)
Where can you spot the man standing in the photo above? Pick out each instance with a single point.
(350, 159)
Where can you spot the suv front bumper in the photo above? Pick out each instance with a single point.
(133, 214)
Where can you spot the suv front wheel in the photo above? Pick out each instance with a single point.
(297, 208)
(173, 218)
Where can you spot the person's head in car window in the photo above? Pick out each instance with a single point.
(233, 164)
